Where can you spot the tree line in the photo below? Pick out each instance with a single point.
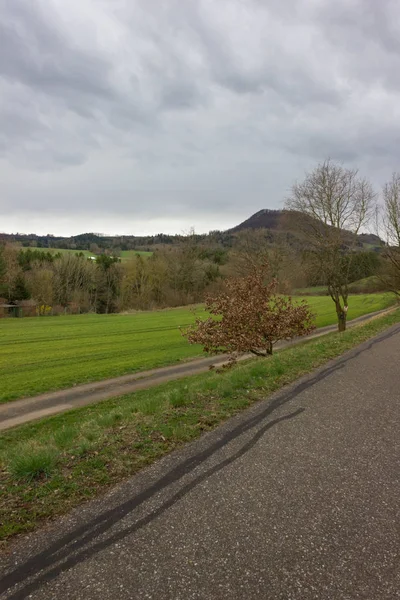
(317, 242)
(70, 282)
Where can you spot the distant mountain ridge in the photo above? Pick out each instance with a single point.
(277, 222)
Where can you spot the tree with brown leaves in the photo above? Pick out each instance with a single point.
(250, 317)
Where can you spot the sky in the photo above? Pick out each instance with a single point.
(147, 116)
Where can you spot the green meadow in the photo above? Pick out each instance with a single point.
(41, 354)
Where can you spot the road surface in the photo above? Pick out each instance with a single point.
(296, 498)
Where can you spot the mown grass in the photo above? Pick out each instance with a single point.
(42, 354)
(359, 304)
(50, 466)
(127, 254)
(367, 285)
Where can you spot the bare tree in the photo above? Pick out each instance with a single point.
(40, 285)
(73, 277)
(255, 247)
(334, 203)
(11, 270)
(389, 229)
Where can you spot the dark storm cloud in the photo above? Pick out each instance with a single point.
(197, 111)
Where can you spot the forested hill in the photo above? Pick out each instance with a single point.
(288, 221)
(276, 221)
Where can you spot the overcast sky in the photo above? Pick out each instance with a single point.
(141, 116)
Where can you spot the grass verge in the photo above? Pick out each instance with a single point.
(50, 466)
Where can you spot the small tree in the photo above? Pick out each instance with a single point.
(334, 204)
(249, 317)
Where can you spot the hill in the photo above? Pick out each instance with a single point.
(263, 219)
(278, 223)
(292, 224)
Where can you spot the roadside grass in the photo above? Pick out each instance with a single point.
(50, 466)
(43, 354)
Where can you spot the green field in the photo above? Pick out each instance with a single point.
(127, 254)
(367, 285)
(359, 304)
(42, 354)
(124, 255)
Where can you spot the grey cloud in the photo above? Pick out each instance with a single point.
(366, 37)
(196, 108)
(34, 52)
(274, 68)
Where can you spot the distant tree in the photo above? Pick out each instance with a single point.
(40, 285)
(12, 273)
(27, 257)
(249, 316)
(336, 203)
(2, 269)
(104, 261)
(251, 249)
(73, 277)
(108, 279)
(254, 247)
(135, 283)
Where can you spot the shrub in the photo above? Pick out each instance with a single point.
(250, 317)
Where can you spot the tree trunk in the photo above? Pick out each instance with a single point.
(341, 314)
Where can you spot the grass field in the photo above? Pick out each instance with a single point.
(362, 286)
(43, 354)
(126, 254)
(49, 466)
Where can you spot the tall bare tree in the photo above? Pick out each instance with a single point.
(389, 229)
(333, 204)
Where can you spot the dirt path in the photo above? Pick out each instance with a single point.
(29, 409)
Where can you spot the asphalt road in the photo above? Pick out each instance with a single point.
(297, 498)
